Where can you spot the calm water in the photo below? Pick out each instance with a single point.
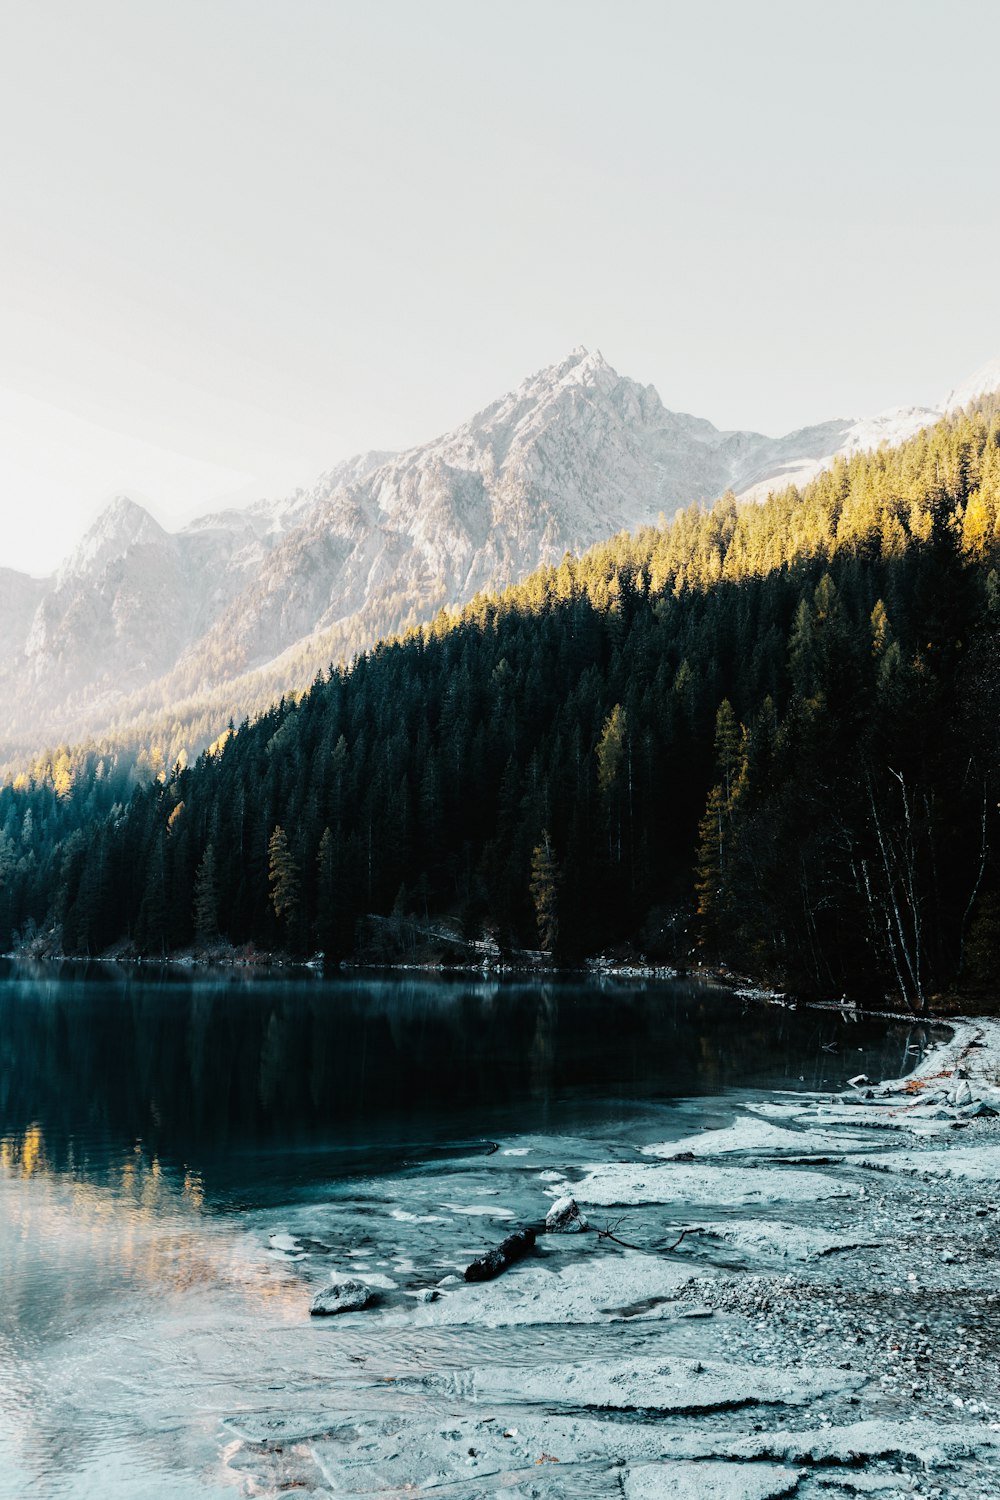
(158, 1130)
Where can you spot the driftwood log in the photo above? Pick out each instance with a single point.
(521, 1243)
(514, 1248)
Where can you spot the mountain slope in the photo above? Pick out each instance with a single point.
(795, 703)
(245, 604)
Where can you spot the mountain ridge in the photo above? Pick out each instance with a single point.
(138, 619)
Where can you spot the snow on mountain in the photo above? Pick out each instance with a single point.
(983, 383)
(141, 618)
(576, 453)
(799, 457)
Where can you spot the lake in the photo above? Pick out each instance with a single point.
(182, 1155)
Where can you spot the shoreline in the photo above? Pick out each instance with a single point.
(826, 1326)
(741, 987)
(785, 1290)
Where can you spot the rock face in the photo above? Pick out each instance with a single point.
(245, 604)
(341, 1297)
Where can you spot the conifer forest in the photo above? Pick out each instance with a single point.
(764, 735)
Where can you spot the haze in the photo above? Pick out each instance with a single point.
(239, 241)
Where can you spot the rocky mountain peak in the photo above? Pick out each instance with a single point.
(249, 603)
(122, 524)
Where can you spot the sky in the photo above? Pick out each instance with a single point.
(241, 240)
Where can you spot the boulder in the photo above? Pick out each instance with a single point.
(342, 1296)
(564, 1217)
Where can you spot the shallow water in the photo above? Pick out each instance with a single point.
(158, 1130)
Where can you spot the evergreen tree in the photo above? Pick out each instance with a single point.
(326, 896)
(206, 897)
(544, 890)
(151, 925)
(282, 874)
(846, 839)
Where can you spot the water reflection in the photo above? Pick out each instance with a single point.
(152, 1123)
(218, 1079)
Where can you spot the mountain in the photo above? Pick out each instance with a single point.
(245, 604)
(766, 734)
(983, 383)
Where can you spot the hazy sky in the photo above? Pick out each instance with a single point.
(240, 240)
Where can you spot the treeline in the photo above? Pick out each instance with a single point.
(145, 745)
(781, 720)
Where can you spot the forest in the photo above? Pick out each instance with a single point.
(765, 735)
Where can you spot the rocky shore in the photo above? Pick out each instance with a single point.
(804, 1302)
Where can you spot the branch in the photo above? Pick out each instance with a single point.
(608, 1233)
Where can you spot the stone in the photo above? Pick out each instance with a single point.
(564, 1217)
(342, 1296)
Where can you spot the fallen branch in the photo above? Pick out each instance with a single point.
(521, 1243)
(608, 1233)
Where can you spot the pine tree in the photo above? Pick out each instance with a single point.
(708, 866)
(714, 828)
(282, 874)
(206, 897)
(614, 775)
(611, 750)
(326, 919)
(151, 924)
(544, 889)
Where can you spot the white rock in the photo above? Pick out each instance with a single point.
(341, 1297)
(564, 1217)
